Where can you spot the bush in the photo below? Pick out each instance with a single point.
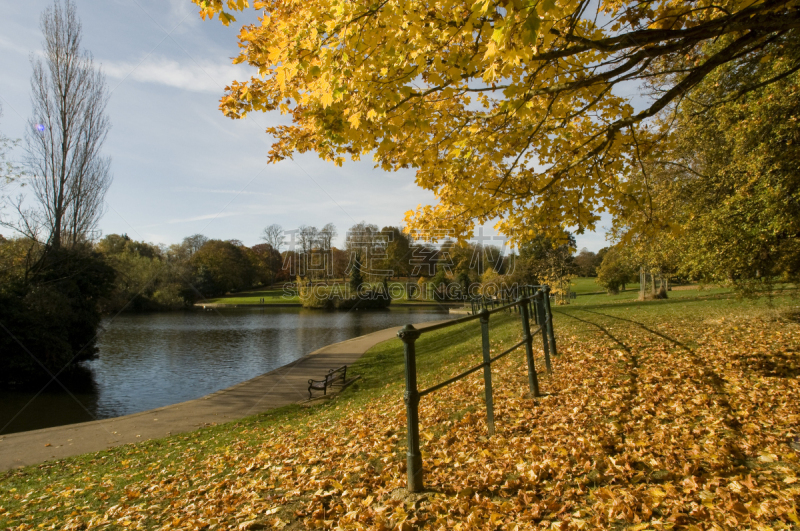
(335, 299)
(51, 315)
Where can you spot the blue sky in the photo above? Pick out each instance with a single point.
(179, 166)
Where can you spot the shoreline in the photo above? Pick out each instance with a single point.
(280, 387)
(212, 305)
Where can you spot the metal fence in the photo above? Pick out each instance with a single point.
(503, 297)
(533, 305)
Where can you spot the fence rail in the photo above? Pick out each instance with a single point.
(533, 302)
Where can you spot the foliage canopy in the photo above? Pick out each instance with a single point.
(506, 108)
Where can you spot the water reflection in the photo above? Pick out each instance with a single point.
(153, 360)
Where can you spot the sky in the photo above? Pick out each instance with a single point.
(179, 166)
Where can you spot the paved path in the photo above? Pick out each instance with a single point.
(283, 386)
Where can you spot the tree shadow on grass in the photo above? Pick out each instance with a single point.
(716, 381)
(638, 303)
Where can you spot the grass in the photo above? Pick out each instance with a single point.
(631, 296)
(270, 296)
(676, 414)
(583, 285)
(281, 296)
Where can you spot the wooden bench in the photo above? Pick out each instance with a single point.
(332, 376)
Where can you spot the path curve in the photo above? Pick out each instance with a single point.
(280, 387)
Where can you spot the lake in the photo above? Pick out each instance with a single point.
(153, 360)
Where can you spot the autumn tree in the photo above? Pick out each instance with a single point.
(339, 261)
(506, 109)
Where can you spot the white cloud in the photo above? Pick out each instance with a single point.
(10, 45)
(187, 75)
(205, 216)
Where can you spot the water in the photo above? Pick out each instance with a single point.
(153, 360)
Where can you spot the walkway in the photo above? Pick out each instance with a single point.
(281, 387)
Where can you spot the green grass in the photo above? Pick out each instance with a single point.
(585, 285)
(582, 285)
(633, 296)
(270, 296)
(700, 303)
(279, 296)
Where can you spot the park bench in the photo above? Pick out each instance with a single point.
(332, 376)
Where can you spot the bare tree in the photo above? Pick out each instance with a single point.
(9, 171)
(69, 177)
(274, 235)
(194, 242)
(361, 236)
(325, 243)
(363, 240)
(326, 236)
(307, 238)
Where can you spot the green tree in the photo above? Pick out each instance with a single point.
(266, 262)
(438, 284)
(356, 276)
(586, 263)
(146, 278)
(221, 267)
(720, 200)
(615, 270)
(398, 252)
(545, 260)
(48, 308)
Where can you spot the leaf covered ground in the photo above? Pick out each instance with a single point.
(680, 414)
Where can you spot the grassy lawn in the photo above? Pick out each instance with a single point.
(676, 414)
(582, 285)
(270, 296)
(585, 285)
(633, 296)
(279, 296)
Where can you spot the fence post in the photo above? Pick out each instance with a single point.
(487, 371)
(542, 322)
(409, 335)
(533, 380)
(550, 333)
